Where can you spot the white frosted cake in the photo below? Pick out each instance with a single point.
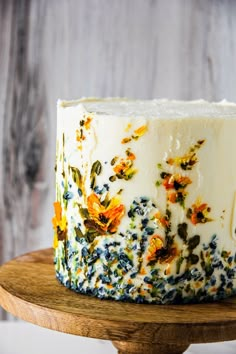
(145, 199)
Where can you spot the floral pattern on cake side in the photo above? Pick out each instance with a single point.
(152, 260)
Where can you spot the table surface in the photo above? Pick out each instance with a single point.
(29, 290)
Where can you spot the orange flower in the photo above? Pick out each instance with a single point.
(178, 183)
(156, 244)
(160, 253)
(142, 271)
(58, 213)
(162, 220)
(198, 214)
(87, 123)
(130, 155)
(59, 224)
(177, 197)
(124, 169)
(172, 197)
(104, 218)
(175, 181)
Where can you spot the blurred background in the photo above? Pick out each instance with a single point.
(50, 49)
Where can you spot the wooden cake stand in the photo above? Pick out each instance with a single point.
(29, 290)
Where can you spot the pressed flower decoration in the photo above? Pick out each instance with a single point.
(160, 251)
(59, 224)
(104, 215)
(81, 132)
(199, 213)
(187, 161)
(176, 184)
(167, 259)
(124, 167)
(136, 134)
(161, 219)
(156, 244)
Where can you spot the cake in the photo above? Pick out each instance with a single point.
(145, 199)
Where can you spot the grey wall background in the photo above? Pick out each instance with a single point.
(49, 49)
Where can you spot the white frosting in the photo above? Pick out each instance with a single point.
(162, 109)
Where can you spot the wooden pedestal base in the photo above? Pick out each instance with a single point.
(141, 348)
(29, 290)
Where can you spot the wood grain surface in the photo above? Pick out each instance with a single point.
(70, 48)
(29, 290)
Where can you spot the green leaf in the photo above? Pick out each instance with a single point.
(178, 264)
(193, 242)
(84, 213)
(183, 231)
(76, 175)
(193, 258)
(209, 270)
(113, 161)
(78, 232)
(96, 168)
(92, 182)
(112, 178)
(106, 201)
(90, 235)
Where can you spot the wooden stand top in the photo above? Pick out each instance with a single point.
(29, 290)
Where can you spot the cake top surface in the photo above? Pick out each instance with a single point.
(161, 108)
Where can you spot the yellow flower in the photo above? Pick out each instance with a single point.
(160, 253)
(87, 123)
(59, 224)
(161, 219)
(140, 131)
(198, 214)
(155, 245)
(104, 218)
